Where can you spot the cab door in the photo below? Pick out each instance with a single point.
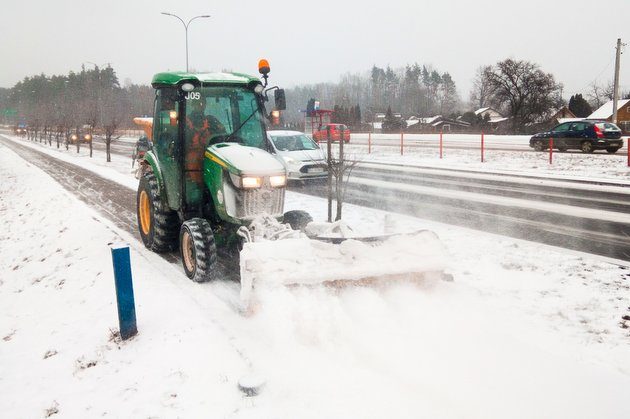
(166, 143)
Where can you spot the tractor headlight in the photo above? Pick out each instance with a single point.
(246, 182)
(251, 182)
(74, 137)
(87, 137)
(278, 180)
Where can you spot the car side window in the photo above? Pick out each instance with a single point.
(561, 128)
(578, 126)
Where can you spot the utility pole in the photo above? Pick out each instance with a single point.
(616, 86)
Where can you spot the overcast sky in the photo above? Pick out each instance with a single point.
(315, 41)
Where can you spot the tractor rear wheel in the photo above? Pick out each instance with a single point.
(297, 219)
(157, 224)
(198, 250)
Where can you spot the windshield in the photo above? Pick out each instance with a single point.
(214, 113)
(293, 142)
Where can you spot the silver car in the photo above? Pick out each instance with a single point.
(301, 156)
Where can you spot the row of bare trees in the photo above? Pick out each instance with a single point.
(89, 101)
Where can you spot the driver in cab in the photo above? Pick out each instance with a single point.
(200, 128)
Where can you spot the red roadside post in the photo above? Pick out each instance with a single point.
(551, 150)
(482, 146)
(441, 143)
(369, 142)
(628, 151)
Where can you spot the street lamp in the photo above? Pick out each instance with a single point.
(186, 29)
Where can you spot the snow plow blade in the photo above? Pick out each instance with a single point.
(340, 261)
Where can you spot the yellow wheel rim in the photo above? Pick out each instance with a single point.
(187, 251)
(145, 213)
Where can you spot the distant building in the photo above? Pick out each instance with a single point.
(493, 117)
(605, 113)
(435, 124)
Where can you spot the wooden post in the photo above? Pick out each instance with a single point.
(551, 150)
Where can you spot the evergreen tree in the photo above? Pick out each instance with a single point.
(579, 106)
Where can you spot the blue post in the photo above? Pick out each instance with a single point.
(124, 291)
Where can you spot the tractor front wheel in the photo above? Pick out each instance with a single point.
(198, 250)
(297, 219)
(157, 223)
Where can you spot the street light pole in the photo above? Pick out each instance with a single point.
(186, 29)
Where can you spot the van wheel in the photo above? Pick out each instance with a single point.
(587, 147)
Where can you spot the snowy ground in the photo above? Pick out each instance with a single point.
(523, 331)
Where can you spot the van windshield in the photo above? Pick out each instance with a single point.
(293, 142)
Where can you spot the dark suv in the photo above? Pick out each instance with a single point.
(587, 136)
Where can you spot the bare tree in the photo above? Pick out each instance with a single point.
(524, 91)
(339, 169)
(481, 94)
(113, 115)
(598, 95)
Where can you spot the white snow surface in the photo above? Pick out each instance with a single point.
(523, 331)
(249, 160)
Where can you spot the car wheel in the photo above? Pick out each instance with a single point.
(538, 145)
(562, 148)
(587, 147)
(612, 150)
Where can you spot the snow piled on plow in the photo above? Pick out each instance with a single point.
(304, 261)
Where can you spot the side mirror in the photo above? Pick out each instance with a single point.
(280, 100)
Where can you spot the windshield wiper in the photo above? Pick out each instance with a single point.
(229, 137)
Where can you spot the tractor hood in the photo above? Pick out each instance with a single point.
(243, 160)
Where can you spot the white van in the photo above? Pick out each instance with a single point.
(301, 156)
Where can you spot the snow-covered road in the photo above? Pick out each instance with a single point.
(523, 331)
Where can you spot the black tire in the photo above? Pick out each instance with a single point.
(297, 219)
(612, 150)
(539, 145)
(198, 250)
(158, 225)
(586, 147)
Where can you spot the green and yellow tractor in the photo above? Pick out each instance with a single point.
(209, 172)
